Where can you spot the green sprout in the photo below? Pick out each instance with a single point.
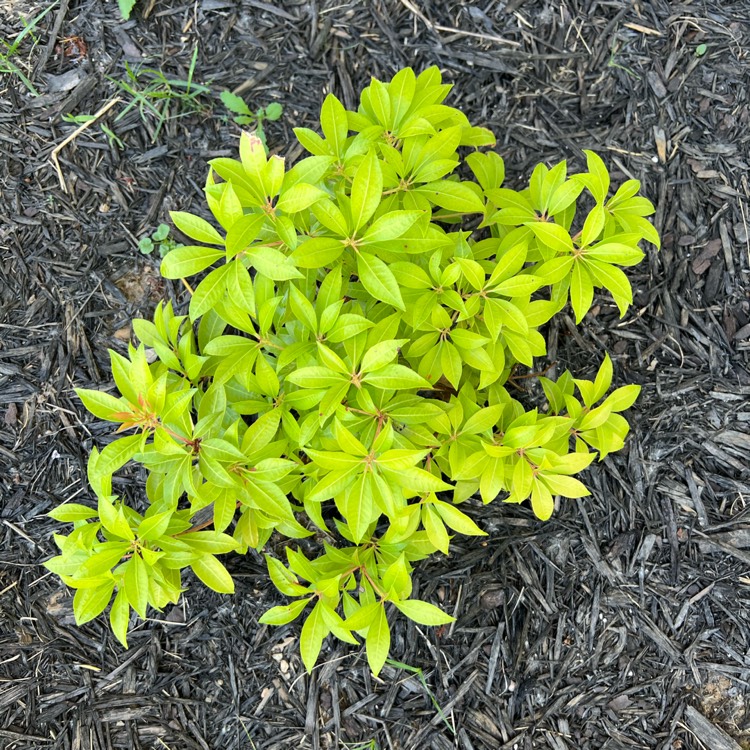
(243, 115)
(158, 240)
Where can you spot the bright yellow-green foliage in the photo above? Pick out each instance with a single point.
(342, 369)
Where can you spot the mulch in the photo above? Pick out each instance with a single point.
(623, 622)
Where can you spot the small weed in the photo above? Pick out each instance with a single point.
(114, 139)
(159, 240)
(243, 115)
(420, 676)
(8, 50)
(153, 93)
(613, 64)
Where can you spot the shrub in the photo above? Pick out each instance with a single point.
(342, 370)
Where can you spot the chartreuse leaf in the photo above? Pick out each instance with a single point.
(71, 512)
(213, 574)
(379, 280)
(423, 612)
(378, 641)
(102, 405)
(119, 615)
(196, 228)
(311, 638)
(284, 614)
(333, 123)
(581, 291)
(89, 603)
(367, 188)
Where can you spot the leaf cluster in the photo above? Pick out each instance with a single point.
(343, 368)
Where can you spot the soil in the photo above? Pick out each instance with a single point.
(620, 623)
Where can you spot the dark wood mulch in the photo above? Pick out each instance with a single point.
(620, 623)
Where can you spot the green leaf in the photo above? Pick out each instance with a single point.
(318, 252)
(623, 398)
(367, 189)
(213, 574)
(273, 111)
(126, 8)
(234, 103)
(117, 454)
(243, 232)
(453, 196)
(208, 293)
(303, 309)
(616, 252)
(423, 612)
(563, 196)
(381, 354)
(71, 512)
(189, 260)
(542, 502)
(613, 279)
(378, 641)
(333, 123)
(136, 584)
(396, 377)
(599, 182)
(390, 226)
(209, 542)
(581, 291)
(283, 578)
(102, 405)
(196, 228)
(311, 638)
(89, 603)
(379, 280)
(566, 486)
(435, 529)
(457, 520)
(451, 364)
(272, 263)
(119, 617)
(359, 507)
(334, 483)
(299, 197)
(551, 235)
(153, 527)
(593, 226)
(283, 614)
(316, 377)
(603, 379)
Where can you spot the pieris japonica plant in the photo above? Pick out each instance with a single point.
(341, 371)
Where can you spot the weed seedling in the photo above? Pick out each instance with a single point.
(113, 138)
(243, 115)
(9, 50)
(156, 96)
(159, 240)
